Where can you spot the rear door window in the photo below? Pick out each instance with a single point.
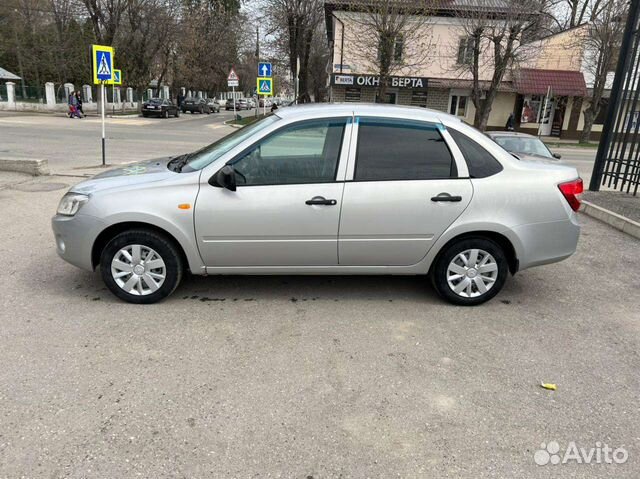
(390, 149)
(479, 161)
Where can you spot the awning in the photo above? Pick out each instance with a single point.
(530, 81)
(7, 75)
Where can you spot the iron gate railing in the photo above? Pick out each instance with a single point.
(617, 162)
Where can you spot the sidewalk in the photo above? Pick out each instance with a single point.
(553, 141)
(617, 209)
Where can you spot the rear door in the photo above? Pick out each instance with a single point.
(404, 192)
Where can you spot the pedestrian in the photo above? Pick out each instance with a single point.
(73, 106)
(274, 107)
(79, 104)
(180, 99)
(511, 122)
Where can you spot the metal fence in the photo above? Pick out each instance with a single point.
(618, 159)
(32, 94)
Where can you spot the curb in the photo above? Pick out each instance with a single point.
(619, 222)
(30, 167)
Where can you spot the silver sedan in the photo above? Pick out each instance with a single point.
(326, 189)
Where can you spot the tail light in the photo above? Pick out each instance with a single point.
(572, 192)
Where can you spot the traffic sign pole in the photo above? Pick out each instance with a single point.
(103, 131)
(233, 89)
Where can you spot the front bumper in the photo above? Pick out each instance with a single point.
(75, 236)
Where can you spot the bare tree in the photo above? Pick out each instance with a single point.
(296, 23)
(494, 42)
(572, 13)
(601, 48)
(389, 37)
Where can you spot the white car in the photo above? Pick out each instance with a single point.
(326, 189)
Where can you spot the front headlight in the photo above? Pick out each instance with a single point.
(71, 203)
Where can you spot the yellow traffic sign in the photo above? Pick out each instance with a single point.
(265, 86)
(102, 59)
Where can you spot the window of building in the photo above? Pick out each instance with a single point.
(531, 109)
(479, 161)
(306, 152)
(465, 51)
(458, 105)
(395, 47)
(401, 150)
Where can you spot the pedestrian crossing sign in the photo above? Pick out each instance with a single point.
(117, 77)
(265, 86)
(102, 59)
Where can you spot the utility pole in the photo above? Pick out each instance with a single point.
(257, 66)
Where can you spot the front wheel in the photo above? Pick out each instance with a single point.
(141, 266)
(470, 271)
(177, 113)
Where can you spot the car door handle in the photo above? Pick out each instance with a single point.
(320, 200)
(446, 197)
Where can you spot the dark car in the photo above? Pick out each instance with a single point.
(159, 107)
(522, 145)
(213, 105)
(229, 105)
(195, 105)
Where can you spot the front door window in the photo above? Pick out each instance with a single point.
(306, 152)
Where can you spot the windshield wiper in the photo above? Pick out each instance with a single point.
(178, 162)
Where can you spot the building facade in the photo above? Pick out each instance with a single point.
(546, 91)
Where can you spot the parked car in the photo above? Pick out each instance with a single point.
(159, 107)
(195, 105)
(522, 145)
(213, 106)
(229, 105)
(326, 189)
(243, 104)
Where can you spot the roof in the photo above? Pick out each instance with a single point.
(532, 81)
(321, 109)
(7, 75)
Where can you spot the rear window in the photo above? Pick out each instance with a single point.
(390, 149)
(479, 161)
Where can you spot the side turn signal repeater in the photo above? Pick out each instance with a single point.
(184, 206)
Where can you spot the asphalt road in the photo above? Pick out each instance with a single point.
(301, 377)
(73, 146)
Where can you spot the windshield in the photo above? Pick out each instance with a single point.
(210, 153)
(155, 101)
(528, 146)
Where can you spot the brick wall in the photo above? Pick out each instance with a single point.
(438, 99)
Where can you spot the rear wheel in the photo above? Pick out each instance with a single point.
(165, 114)
(177, 113)
(470, 271)
(141, 266)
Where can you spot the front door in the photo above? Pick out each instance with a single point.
(286, 208)
(405, 193)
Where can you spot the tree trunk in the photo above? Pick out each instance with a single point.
(589, 118)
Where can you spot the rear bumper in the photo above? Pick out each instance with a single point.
(75, 236)
(544, 243)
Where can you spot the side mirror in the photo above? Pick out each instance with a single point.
(224, 178)
(557, 156)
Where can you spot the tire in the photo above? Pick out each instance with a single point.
(165, 114)
(471, 279)
(135, 287)
(144, 115)
(177, 113)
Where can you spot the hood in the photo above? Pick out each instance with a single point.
(129, 175)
